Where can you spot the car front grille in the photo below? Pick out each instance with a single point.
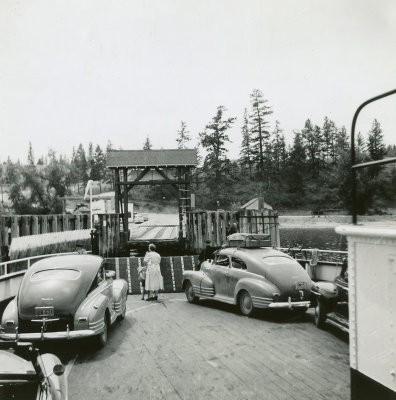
(28, 326)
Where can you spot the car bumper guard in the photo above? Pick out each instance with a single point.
(290, 304)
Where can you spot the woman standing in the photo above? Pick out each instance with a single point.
(154, 280)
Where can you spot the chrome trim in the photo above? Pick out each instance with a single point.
(337, 325)
(290, 304)
(48, 335)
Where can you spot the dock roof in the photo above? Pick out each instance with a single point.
(151, 158)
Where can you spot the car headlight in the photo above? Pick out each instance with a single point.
(276, 296)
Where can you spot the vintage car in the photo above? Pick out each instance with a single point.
(65, 297)
(36, 376)
(252, 278)
(332, 301)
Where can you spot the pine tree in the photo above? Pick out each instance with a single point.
(259, 129)
(213, 140)
(147, 144)
(81, 164)
(183, 137)
(279, 154)
(245, 157)
(329, 134)
(90, 160)
(30, 154)
(375, 142)
(99, 164)
(312, 141)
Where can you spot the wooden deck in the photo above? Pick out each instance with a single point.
(176, 350)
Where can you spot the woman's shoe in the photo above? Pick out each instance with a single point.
(155, 298)
(142, 298)
(149, 299)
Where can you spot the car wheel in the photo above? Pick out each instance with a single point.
(246, 303)
(320, 314)
(191, 297)
(102, 337)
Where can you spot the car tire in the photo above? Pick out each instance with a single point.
(191, 297)
(320, 314)
(101, 339)
(246, 303)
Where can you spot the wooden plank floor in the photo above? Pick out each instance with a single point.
(176, 350)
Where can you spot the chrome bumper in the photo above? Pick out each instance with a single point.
(48, 335)
(290, 304)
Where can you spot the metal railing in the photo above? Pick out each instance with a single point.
(23, 264)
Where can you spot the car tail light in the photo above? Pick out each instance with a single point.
(10, 322)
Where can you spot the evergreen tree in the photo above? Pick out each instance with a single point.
(329, 133)
(312, 141)
(375, 143)
(90, 160)
(81, 165)
(183, 137)
(147, 144)
(30, 154)
(99, 164)
(245, 158)
(213, 140)
(279, 154)
(259, 129)
(296, 168)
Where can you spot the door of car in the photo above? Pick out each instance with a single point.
(219, 272)
(238, 271)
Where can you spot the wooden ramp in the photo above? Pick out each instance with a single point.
(175, 350)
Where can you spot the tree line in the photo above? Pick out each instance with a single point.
(312, 173)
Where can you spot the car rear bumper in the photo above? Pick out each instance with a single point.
(290, 304)
(48, 335)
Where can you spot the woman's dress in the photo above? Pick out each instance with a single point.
(154, 280)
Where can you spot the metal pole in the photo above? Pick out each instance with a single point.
(354, 185)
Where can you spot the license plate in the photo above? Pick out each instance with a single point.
(301, 285)
(44, 311)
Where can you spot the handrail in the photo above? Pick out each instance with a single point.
(353, 160)
(4, 265)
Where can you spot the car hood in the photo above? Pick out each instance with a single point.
(64, 296)
(287, 274)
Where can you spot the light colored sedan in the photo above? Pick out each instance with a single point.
(252, 278)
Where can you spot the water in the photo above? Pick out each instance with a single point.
(320, 238)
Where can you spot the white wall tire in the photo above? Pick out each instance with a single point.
(190, 295)
(246, 303)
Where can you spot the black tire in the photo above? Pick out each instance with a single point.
(246, 303)
(320, 314)
(191, 297)
(101, 339)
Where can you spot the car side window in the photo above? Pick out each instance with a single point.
(238, 263)
(222, 260)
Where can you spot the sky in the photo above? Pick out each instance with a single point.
(96, 70)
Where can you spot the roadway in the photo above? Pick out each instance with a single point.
(175, 350)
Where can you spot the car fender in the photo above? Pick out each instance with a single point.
(256, 288)
(94, 309)
(325, 290)
(195, 277)
(120, 290)
(10, 314)
(57, 384)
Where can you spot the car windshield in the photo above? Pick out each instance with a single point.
(58, 274)
(18, 390)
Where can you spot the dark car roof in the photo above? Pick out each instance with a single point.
(87, 264)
